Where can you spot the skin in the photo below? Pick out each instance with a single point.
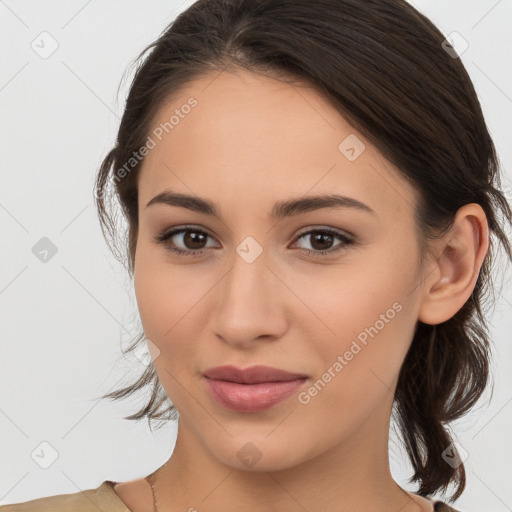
(252, 141)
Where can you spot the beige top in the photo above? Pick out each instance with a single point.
(105, 499)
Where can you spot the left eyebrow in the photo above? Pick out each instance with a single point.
(280, 210)
(292, 207)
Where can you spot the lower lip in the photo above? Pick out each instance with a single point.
(251, 397)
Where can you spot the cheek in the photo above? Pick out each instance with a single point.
(357, 375)
(371, 318)
(173, 307)
(167, 307)
(164, 293)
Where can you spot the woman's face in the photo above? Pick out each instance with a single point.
(248, 293)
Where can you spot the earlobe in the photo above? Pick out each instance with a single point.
(461, 255)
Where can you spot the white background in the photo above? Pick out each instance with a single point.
(63, 322)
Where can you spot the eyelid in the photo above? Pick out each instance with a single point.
(170, 232)
(323, 227)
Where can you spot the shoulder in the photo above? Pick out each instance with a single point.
(91, 500)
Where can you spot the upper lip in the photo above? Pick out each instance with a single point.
(252, 375)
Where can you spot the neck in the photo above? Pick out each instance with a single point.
(352, 476)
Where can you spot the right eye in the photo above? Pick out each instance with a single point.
(191, 238)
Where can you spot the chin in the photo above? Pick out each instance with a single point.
(261, 453)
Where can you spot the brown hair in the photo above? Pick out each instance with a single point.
(383, 65)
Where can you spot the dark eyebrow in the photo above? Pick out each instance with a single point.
(280, 210)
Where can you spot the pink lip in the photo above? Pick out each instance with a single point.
(253, 389)
(251, 375)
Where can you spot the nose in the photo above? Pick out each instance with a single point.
(250, 304)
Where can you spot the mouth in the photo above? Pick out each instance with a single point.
(252, 375)
(251, 390)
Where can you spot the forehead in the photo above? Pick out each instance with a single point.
(250, 137)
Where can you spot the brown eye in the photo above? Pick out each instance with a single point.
(322, 240)
(192, 241)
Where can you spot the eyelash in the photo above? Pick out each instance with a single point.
(163, 237)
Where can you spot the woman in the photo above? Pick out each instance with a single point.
(310, 189)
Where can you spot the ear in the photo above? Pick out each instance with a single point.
(452, 279)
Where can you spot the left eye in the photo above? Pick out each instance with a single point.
(324, 237)
(193, 240)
